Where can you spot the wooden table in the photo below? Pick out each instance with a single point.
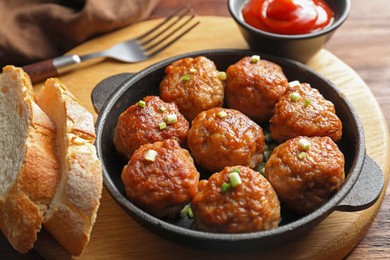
(369, 57)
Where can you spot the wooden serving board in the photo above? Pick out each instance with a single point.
(118, 236)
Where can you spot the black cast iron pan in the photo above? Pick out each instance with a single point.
(362, 187)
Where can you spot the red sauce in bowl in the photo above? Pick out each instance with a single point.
(288, 16)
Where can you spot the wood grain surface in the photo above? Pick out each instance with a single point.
(362, 45)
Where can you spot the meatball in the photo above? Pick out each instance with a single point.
(254, 86)
(161, 178)
(250, 206)
(193, 85)
(303, 111)
(305, 172)
(222, 137)
(147, 122)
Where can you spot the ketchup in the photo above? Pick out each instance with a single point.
(288, 16)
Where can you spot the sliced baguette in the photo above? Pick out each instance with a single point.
(29, 168)
(73, 210)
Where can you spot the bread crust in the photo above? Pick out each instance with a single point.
(23, 207)
(73, 211)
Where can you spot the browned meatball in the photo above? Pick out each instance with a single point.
(250, 206)
(164, 184)
(193, 85)
(303, 111)
(222, 137)
(141, 124)
(305, 174)
(254, 87)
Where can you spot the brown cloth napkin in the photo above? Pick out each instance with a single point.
(35, 30)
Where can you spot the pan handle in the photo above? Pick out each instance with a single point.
(366, 190)
(105, 88)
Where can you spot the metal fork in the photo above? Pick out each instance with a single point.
(138, 49)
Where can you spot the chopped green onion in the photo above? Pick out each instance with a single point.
(185, 77)
(304, 144)
(294, 83)
(225, 187)
(222, 75)
(162, 108)
(222, 114)
(186, 211)
(192, 70)
(307, 102)
(150, 155)
(302, 155)
(255, 58)
(183, 211)
(295, 96)
(190, 213)
(142, 103)
(234, 178)
(171, 118)
(162, 125)
(235, 170)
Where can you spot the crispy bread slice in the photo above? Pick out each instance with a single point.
(29, 168)
(73, 210)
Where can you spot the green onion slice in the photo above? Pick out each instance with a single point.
(222, 75)
(222, 114)
(185, 77)
(162, 108)
(171, 118)
(302, 155)
(190, 213)
(235, 178)
(304, 144)
(162, 125)
(142, 103)
(307, 102)
(183, 211)
(294, 83)
(150, 155)
(225, 187)
(186, 211)
(235, 170)
(255, 58)
(295, 96)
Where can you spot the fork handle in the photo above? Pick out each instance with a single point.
(51, 68)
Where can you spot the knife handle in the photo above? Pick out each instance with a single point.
(51, 68)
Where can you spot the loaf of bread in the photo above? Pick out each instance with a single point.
(73, 210)
(29, 168)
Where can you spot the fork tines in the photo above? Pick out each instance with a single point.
(168, 31)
